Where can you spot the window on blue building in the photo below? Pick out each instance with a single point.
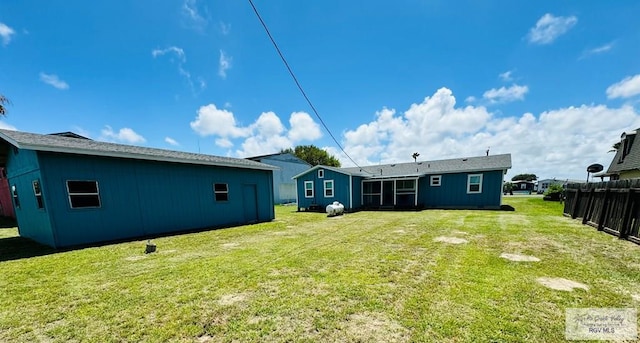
(221, 191)
(83, 194)
(308, 189)
(328, 189)
(37, 192)
(14, 193)
(474, 183)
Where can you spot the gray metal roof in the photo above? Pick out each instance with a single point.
(454, 165)
(62, 144)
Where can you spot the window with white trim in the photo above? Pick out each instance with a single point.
(435, 180)
(474, 183)
(221, 191)
(308, 189)
(37, 192)
(83, 194)
(328, 188)
(320, 173)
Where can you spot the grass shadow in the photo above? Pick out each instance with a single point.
(15, 248)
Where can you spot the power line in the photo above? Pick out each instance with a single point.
(295, 79)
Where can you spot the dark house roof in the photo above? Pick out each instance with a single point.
(409, 169)
(68, 145)
(290, 155)
(628, 155)
(69, 134)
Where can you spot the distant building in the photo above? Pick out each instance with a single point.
(69, 191)
(284, 187)
(626, 162)
(473, 182)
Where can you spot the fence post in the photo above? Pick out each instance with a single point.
(587, 211)
(574, 210)
(605, 204)
(624, 229)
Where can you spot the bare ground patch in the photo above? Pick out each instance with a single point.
(450, 240)
(136, 258)
(519, 258)
(231, 299)
(230, 245)
(374, 327)
(561, 284)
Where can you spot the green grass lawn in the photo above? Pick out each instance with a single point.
(361, 277)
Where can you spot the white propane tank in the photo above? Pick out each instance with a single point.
(335, 209)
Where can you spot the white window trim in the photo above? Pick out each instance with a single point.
(469, 184)
(305, 189)
(320, 173)
(333, 186)
(432, 178)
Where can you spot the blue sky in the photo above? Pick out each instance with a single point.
(554, 83)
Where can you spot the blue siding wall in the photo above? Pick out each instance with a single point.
(341, 189)
(140, 198)
(452, 193)
(284, 187)
(34, 223)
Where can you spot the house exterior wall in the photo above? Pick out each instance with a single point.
(284, 187)
(145, 198)
(34, 223)
(629, 174)
(341, 190)
(452, 192)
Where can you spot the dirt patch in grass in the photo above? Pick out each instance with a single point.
(451, 240)
(519, 258)
(136, 258)
(231, 299)
(399, 231)
(230, 245)
(561, 284)
(374, 327)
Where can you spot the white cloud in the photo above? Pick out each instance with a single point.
(171, 141)
(224, 143)
(172, 49)
(303, 128)
(225, 29)
(548, 28)
(626, 88)
(5, 33)
(53, 80)
(556, 143)
(214, 121)
(224, 64)
(598, 50)
(125, 135)
(192, 14)
(504, 94)
(470, 99)
(266, 135)
(506, 76)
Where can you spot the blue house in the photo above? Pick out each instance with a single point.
(284, 187)
(70, 191)
(473, 182)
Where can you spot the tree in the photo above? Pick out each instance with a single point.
(313, 155)
(524, 177)
(3, 102)
(615, 147)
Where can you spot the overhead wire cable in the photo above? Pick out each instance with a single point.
(295, 79)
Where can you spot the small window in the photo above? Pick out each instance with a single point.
(14, 193)
(83, 194)
(308, 189)
(37, 192)
(320, 173)
(474, 183)
(436, 180)
(328, 189)
(221, 191)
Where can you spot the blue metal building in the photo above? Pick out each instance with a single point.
(69, 191)
(284, 187)
(473, 182)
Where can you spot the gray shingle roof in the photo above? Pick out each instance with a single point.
(53, 143)
(630, 162)
(455, 165)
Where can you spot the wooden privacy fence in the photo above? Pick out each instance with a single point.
(609, 206)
